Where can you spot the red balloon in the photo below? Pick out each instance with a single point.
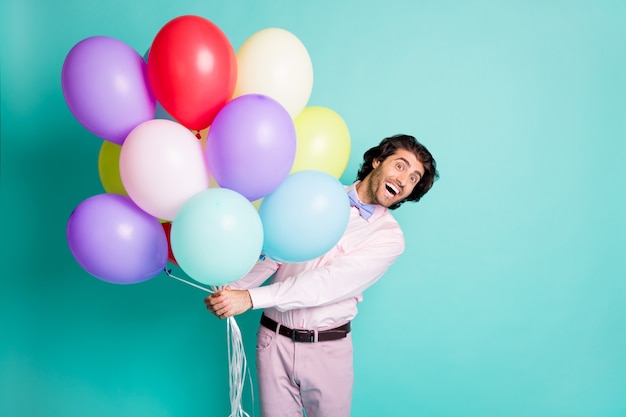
(192, 70)
(167, 228)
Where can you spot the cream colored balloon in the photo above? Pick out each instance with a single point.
(275, 63)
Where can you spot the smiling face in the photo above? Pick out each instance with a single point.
(392, 180)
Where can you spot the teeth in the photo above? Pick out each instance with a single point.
(393, 189)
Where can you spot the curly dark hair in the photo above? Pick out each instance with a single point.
(388, 147)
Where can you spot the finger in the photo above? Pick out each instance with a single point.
(216, 299)
(210, 301)
(227, 308)
(222, 313)
(216, 304)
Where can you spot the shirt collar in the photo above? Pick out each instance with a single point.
(379, 210)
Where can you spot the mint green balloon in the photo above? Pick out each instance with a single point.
(217, 236)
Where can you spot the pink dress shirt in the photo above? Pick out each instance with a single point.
(323, 293)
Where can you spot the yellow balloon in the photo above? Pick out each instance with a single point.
(109, 168)
(323, 141)
(257, 203)
(212, 182)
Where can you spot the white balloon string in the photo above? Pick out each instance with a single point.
(237, 367)
(251, 389)
(168, 272)
(237, 363)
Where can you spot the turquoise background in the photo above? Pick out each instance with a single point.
(510, 299)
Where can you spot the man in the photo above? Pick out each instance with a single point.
(304, 345)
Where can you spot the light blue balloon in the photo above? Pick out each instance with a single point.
(216, 236)
(304, 217)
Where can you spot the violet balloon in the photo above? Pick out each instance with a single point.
(251, 145)
(115, 241)
(105, 84)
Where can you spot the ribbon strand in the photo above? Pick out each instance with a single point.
(168, 272)
(237, 363)
(237, 366)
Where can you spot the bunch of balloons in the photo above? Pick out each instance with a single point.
(195, 137)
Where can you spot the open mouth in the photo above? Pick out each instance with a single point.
(391, 189)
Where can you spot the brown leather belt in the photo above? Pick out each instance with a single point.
(307, 336)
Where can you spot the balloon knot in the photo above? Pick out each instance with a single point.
(198, 135)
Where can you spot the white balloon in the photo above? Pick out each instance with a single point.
(275, 63)
(162, 165)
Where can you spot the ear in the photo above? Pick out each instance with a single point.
(375, 163)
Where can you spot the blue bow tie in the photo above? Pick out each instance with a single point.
(366, 210)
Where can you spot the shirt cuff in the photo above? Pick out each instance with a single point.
(261, 297)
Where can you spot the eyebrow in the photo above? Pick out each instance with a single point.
(409, 165)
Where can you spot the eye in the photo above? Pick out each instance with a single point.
(414, 179)
(399, 166)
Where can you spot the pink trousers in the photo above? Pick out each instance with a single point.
(317, 377)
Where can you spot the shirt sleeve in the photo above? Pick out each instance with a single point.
(259, 273)
(347, 275)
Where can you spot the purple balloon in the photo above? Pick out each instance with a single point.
(105, 84)
(115, 241)
(251, 145)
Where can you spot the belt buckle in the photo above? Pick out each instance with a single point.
(305, 336)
